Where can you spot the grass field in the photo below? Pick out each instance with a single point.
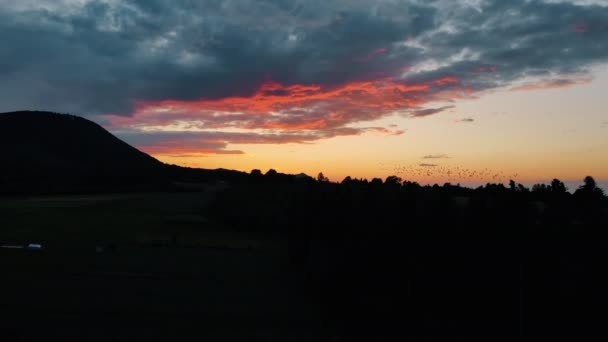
(123, 218)
(173, 275)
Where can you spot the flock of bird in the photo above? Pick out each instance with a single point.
(425, 172)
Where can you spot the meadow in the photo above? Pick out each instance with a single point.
(165, 273)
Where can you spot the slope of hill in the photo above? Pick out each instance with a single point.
(49, 152)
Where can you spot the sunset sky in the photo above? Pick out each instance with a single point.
(438, 90)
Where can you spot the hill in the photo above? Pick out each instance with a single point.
(50, 152)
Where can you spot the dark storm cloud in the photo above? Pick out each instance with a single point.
(503, 41)
(99, 57)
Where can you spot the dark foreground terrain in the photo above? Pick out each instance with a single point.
(421, 290)
(153, 293)
(134, 249)
(164, 267)
(173, 282)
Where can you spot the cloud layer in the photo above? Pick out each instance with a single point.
(283, 71)
(436, 156)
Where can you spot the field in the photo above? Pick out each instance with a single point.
(71, 220)
(170, 274)
(154, 267)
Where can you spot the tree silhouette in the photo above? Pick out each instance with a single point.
(589, 200)
(558, 186)
(512, 185)
(540, 188)
(589, 184)
(589, 188)
(522, 188)
(322, 178)
(376, 181)
(393, 180)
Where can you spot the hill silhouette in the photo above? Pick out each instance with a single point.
(45, 152)
(49, 152)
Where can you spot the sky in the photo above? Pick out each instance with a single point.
(433, 91)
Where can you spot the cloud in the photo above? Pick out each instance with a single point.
(216, 142)
(273, 67)
(466, 120)
(430, 111)
(436, 156)
(371, 55)
(273, 105)
(551, 84)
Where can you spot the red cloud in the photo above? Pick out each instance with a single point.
(294, 107)
(298, 113)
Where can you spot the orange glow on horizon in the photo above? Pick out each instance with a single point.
(315, 128)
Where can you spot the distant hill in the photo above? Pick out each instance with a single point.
(44, 152)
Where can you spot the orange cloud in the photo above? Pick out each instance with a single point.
(294, 107)
(273, 96)
(276, 114)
